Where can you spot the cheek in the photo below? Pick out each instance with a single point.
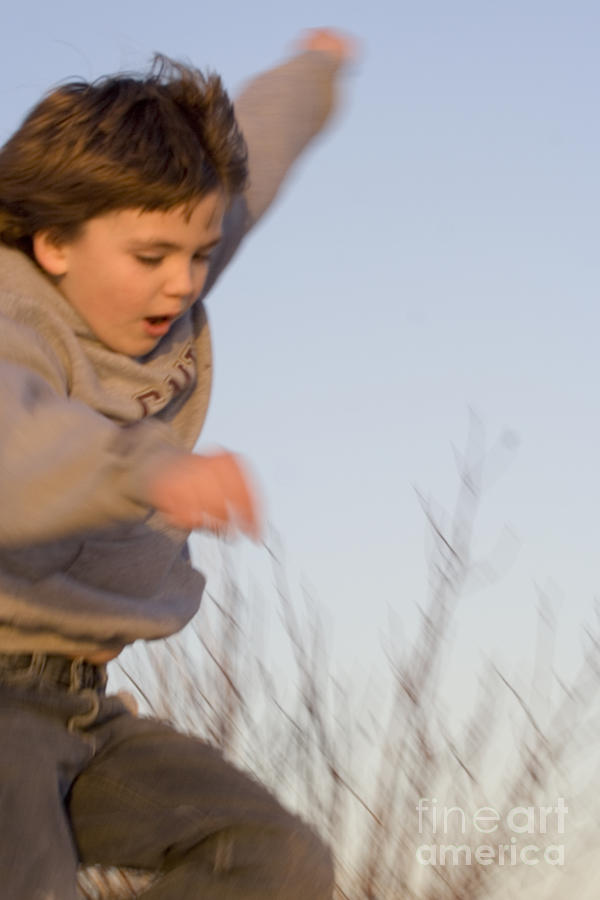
(199, 279)
(128, 289)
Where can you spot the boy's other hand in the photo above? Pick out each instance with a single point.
(341, 47)
(210, 492)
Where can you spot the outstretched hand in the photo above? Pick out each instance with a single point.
(210, 492)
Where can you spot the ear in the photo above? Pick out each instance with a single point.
(50, 253)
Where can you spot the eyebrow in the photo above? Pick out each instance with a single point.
(157, 244)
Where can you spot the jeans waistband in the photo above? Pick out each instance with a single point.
(72, 673)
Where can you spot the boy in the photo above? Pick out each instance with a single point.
(120, 204)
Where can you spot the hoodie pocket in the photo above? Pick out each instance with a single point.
(41, 560)
(136, 566)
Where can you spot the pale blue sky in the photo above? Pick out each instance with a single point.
(437, 249)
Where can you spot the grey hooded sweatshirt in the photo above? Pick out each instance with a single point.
(85, 564)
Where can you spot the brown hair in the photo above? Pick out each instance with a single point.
(150, 142)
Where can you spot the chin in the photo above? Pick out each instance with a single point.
(131, 348)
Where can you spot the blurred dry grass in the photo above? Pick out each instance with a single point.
(357, 774)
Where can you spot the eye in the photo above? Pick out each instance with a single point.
(201, 257)
(150, 260)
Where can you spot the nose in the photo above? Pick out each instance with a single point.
(180, 283)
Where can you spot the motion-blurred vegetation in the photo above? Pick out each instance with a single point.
(358, 772)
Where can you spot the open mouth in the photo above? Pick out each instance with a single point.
(157, 326)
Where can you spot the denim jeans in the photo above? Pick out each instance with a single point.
(84, 781)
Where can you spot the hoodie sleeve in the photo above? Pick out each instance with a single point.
(64, 468)
(279, 113)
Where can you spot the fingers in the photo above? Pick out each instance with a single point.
(212, 492)
(241, 503)
(342, 47)
(235, 503)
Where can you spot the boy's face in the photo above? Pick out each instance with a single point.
(130, 274)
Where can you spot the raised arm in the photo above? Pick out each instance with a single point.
(280, 112)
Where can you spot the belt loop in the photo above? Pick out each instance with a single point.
(75, 679)
(83, 674)
(38, 661)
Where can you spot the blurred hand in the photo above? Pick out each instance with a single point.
(210, 492)
(342, 47)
